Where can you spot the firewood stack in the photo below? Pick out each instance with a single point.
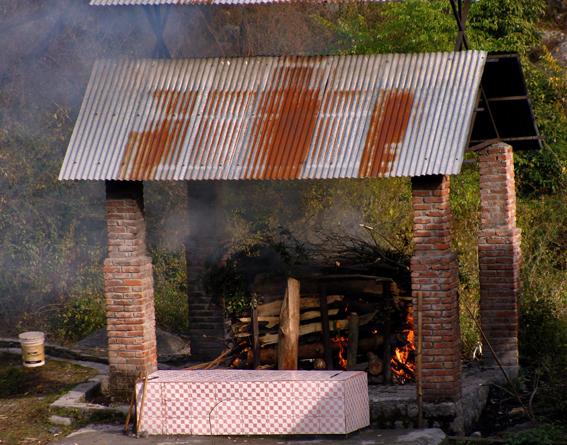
(356, 302)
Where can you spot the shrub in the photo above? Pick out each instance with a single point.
(78, 317)
(543, 435)
(543, 332)
(170, 290)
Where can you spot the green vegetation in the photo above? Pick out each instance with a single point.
(52, 233)
(544, 435)
(170, 289)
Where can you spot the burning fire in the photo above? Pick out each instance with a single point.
(403, 363)
(342, 341)
(403, 366)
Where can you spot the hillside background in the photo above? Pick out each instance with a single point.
(53, 234)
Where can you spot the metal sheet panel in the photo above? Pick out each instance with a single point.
(275, 117)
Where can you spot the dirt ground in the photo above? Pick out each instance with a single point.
(27, 393)
(25, 396)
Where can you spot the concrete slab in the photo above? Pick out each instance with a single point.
(105, 435)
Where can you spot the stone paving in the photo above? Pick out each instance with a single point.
(391, 407)
(396, 406)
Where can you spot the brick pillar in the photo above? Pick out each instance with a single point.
(206, 233)
(128, 280)
(500, 256)
(434, 273)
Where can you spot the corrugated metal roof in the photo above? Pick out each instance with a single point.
(275, 117)
(214, 2)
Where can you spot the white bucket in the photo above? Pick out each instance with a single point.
(32, 348)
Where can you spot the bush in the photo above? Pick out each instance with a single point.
(543, 323)
(79, 317)
(543, 332)
(543, 435)
(170, 290)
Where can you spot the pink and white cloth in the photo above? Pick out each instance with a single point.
(242, 402)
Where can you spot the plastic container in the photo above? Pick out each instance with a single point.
(32, 348)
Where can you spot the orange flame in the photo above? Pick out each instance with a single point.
(402, 355)
(341, 342)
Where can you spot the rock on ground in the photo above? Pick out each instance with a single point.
(167, 344)
(59, 420)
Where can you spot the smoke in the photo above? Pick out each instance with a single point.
(52, 234)
(166, 215)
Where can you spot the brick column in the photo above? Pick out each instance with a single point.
(500, 256)
(128, 280)
(434, 273)
(206, 233)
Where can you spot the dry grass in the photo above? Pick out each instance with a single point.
(25, 397)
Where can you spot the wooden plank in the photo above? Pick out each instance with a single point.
(270, 339)
(255, 337)
(316, 350)
(352, 348)
(274, 321)
(273, 309)
(288, 335)
(387, 338)
(325, 326)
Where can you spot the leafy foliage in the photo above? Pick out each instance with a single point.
(544, 224)
(78, 317)
(170, 290)
(228, 276)
(465, 222)
(258, 208)
(492, 25)
(544, 310)
(225, 285)
(543, 435)
(543, 332)
(393, 27)
(504, 25)
(546, 171)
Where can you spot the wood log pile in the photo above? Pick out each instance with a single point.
(291, 323)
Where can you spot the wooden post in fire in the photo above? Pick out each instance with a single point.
(326, 329)
(288, 335)
(352, 348)
(255, 334)
(387, 336)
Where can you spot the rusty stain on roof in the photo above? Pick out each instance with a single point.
(388, 126)
(284, 129)
(147, 149)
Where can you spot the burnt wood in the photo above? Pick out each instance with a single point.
(326, 331)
